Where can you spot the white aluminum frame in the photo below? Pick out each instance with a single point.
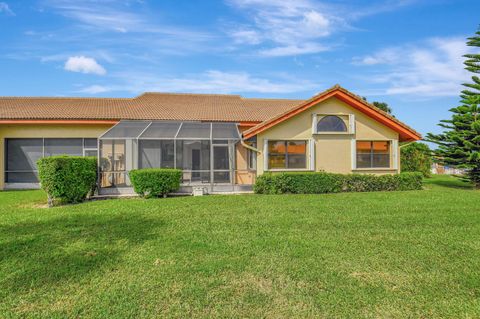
(393, 155)
(350, 126)
(230, 146)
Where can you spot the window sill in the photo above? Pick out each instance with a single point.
(333, 133)
(375, 169)
(289, 170)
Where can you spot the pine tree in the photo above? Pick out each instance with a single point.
(459, 144)
(383, 106)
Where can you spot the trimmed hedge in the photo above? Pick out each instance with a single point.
(152, 182)
(321, 183)
(67, 179)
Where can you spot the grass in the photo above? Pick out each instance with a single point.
(395, 255)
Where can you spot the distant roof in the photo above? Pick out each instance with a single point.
(148, 106)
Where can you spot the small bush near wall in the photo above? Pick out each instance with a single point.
(320, 183)
(416, 157)
(152, 182)
(67, 179)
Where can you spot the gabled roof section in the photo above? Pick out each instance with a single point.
(405, 132)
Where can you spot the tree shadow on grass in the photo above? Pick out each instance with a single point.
(449, 182)
(41, 254)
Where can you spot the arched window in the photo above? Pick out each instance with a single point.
(331, 123)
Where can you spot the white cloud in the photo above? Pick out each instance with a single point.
(94, 89)
(84, 65)
(385, 56)
(294, 50)
(286, 27)
(6, 9)
(118, 16)
(431, 68)
(246, 36)
(212, 81)
(123, 27)
(95, 14)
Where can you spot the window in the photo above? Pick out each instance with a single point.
(22, 154)
(252, 155)
(21, 158)
(331, 123)
(90, 147)
(373, 154)
(287, 154)
(251, 160)
(63, 146)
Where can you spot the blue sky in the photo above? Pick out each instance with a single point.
(405, 52)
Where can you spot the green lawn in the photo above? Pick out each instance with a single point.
(400, 254)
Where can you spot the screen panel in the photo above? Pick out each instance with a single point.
(126, 129)
(149, 153)
(225, 131)
(23, 154)
(21, 177)
(161, 130)
(194, 130)
(90, 143)
(63, 146)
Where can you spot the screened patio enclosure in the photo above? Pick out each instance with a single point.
(205, 152)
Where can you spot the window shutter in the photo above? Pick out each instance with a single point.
(351, 123)
(354, 153)
(265, 155)
(312, 154)
(395, 153)
(314, 123)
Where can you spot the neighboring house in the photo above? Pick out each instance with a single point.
(220, 141)
(446, 170)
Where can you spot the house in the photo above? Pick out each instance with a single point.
(219, 141)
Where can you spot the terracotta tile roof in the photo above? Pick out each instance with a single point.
(148, 106)
(178, 106)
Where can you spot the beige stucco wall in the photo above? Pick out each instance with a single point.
(44, 131)
(333, 152)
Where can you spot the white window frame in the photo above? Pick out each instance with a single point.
(393, 155)
(86, 149)
(350, 125)
(309, 156)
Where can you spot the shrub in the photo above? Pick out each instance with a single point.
(320, 183)
(68, 179)
(298, 183)
(151, 182)
(416, 157)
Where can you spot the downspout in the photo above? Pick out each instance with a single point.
(242, 141)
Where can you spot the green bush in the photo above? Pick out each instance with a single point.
(67, 179)
(416, 157)
(298, 183)
(321, 183)
(152, 182)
